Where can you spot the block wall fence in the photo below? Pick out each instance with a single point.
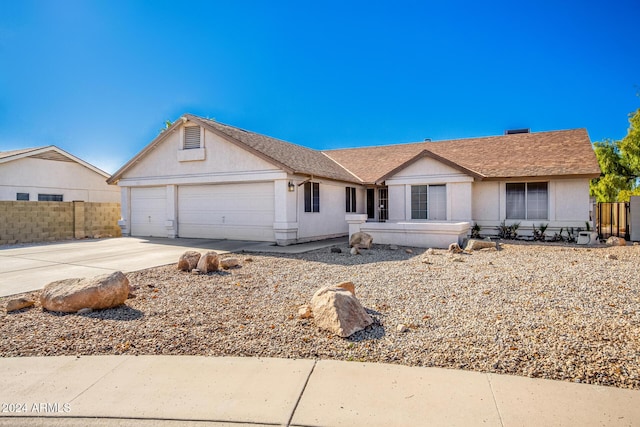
(31, 222)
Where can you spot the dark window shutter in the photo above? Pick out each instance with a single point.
(307, 197)
(316, 197)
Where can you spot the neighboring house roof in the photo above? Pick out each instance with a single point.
(566, 153)
(50, 152)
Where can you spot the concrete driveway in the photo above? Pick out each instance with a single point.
(29, 268)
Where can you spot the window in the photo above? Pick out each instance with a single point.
(527, 200)
(49, 197)
(429, 202)
(191, 137)
(311, 197)
(351, 199)
(22, 196)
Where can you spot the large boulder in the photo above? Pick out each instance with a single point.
(208, 262)
(71, 295)
(616, 241)
(361, 240)
(337, 310)
(228, 263)
(188, 260)
(475, 244)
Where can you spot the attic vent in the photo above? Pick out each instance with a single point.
(191, 137)
(516, 131)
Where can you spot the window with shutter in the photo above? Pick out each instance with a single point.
(191, 137)
(312, 197)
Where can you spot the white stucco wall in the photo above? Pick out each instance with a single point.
(428, 171)
(223, 162)
(330, 221)
(568, 205)
(39, 176)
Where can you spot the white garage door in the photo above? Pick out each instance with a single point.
(148, 211)
(226, 211)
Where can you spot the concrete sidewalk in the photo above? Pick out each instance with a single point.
(30, 267)
(202, 391)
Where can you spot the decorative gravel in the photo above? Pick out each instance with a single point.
(547, 311)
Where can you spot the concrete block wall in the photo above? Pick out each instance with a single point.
(31, 222)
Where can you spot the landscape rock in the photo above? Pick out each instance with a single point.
(228, 263)
(393, 248)
(208, 262)
(188, 260)
(337, 310)
(611, 257)
(616, 241)
(195, 271)
(85, 310)
(71, 295)
(361, 240)
(409, 251)
(475, 244)
(354, 251)
(349, 286)
(19, 303)
(455, 248)
(430, 251)
(402, 328)
(304, 311)
(336, 250)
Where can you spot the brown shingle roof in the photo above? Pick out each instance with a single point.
(295, 158)
(541, 154)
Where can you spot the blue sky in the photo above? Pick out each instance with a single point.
(99, 78)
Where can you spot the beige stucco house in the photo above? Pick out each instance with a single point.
(51, 174)
(202, 178)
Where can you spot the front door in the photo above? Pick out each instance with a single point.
(371, 203)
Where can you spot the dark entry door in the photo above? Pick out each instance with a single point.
(371, 206)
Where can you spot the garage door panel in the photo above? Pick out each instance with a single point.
(230, 211)
(148, 211)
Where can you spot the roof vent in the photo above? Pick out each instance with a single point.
(516, 131)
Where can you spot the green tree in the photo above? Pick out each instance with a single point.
(620, 165)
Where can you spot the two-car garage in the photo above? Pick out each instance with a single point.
(216, 211)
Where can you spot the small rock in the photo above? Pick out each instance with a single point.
(354, 251)
(636, 243)
(228, 263)
(349, 286)
(409, 251)
(616, 241)
(208, 262)
(85, 310)
(304, 311)
(455, 248)
(336, 250)
(195, 271)
(188, 260)
(611, 256)
(430, 251)
(393, 248)
(19, 304)
(248, 260)
(474, 245)
(361, 239)
(402, 328)
(456, 259)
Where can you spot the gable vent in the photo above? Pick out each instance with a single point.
(516, 131)
(191, 137)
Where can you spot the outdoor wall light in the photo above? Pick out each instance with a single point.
(291, 186)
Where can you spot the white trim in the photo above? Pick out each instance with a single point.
(227, 177)
(41, 150)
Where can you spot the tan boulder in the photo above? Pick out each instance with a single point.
(208, 262)
(19, 303)
(616, 241)
(361, 240)
(71, 295)
(304, 311)
(188, 260)
(337, 310)
(228, 263)
(475, 244)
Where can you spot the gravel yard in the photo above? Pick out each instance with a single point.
(548, 311)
